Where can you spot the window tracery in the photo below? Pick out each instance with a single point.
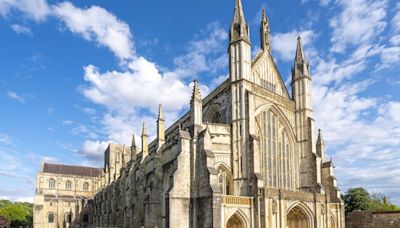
(276, 151)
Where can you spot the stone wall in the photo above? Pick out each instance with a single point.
(367, 219)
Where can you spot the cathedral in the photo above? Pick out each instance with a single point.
(246, 156)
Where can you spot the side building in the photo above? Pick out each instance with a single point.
(64, 195)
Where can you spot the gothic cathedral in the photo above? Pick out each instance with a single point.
(245, 156)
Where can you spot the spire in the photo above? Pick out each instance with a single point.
(265, 32)
(239, 29)
(301, 67)
(320, 140)
(160, 113)
(320, 146)
(145, 146)
(160, 126)
(133, 147)
(300, 58)
(196, 106)
(196, 91)
(238, 15)
(133, 143)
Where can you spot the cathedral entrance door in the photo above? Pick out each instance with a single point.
(235, 222)
(297, 219)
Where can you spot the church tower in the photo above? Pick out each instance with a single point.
(305, 126)
(240, 71)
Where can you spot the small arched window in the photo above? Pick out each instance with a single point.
(50, 218)
(224, 180)
(68, 185)
(52, 184)
(86, 186)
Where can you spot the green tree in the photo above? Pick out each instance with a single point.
(20, 214)
(360, 199)
(379, 202)
(356, 199)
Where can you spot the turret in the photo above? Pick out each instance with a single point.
(305, 124)
(240, 70)
(265, 33)
(160, 127)
(145, 146)
(239, 48)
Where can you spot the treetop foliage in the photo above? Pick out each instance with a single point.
(19, 213)
(360, 199)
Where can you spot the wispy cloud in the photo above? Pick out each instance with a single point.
(20, 29)
(37, 10)
(15, 96)
(360, 21)
(5, 139)
(284, 44)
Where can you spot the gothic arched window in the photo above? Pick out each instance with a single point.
(224, 180)
(50, 218)
(52, 184)
(68, 185)
(275, 151)
(86, 186)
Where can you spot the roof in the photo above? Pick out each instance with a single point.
(71, 170)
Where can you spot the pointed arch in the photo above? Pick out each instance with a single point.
(303, 208)
(225, 179)
(240, 218)
(275, 109)
(278, 147)
(213, 113)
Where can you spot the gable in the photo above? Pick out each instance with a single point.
(265, 74)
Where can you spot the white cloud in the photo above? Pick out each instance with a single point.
(68, 122)
(284, 44)
(94, 149)
(396, 19)
(15, 96)
(360, 22)
(20, 29)
(390, 57)
(97, 24)
(37, 10)
(49, 159)
(143, 87)
(395, 40)
(205, 54)
(132, 96)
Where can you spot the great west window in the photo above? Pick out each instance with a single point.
(276, 152)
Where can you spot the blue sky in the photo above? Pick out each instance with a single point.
(76, 75)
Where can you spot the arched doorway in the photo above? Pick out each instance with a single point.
(235, 222)
(297, 218)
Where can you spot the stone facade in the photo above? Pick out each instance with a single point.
(64, 196)
(368, 219)
(247, 155)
